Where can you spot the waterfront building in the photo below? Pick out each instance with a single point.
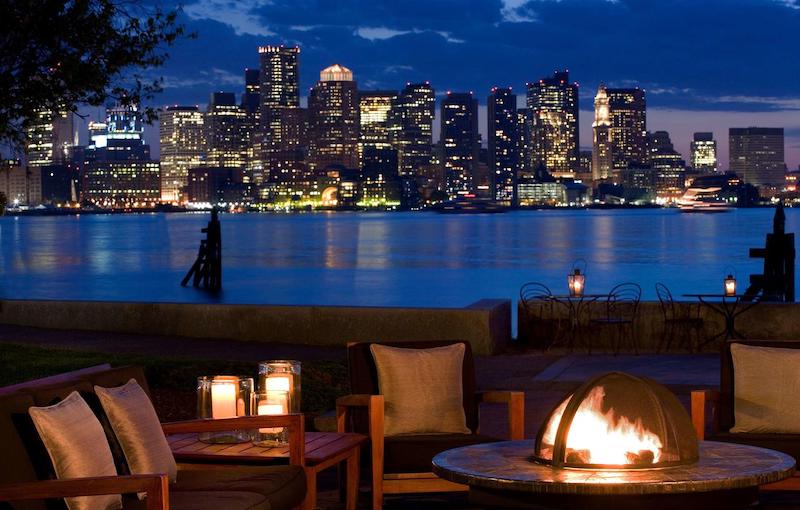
(667, 165)
(524, 144)
(251, 104)
(182, 139)
(333, 120)
(411, 127)
(281, 118)
(553, 106)
(460, 142)
(216, 185)
(756, 155)
(118, 171)
(21, 184)
(620, 130)
(584, 173)
(374, 117)
(704, 153)
(503, 156)
(225, 132)
(50, 138)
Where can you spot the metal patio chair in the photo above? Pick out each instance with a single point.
(621, 312)
(679, 321)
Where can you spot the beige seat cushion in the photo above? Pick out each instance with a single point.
(766, 389)
(77, 447)
(138, 430)
(422, 389)
(209, 500)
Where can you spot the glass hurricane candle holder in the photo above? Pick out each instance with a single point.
(224, 396)
(271, 403)
(281, 375)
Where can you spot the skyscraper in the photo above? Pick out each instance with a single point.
(182, 139)
(553, 105)
(503, 139)
(620, 130)
(119, 172)
(226, 141)
(333, 120)
(49, 139)
(375, 108)
(251, 104)
(461, 147)
(704, 153)
(756, 155)
(667, 165)
(281, 118)
(412, 127)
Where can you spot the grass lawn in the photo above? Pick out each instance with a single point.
(172, 380)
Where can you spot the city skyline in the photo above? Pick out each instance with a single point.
(732, 83)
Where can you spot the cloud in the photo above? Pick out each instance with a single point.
(792, 4)
(516, 11)
(382, 34)
(239, 15)
(778, 103)
(214, 77)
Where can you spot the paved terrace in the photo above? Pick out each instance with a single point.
(546, 378)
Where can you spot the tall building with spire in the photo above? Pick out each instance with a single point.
(461, 145)
(333, 120)
(553, 106)
(503, 140)
(620, 131)
(412, 127)
(281, 117)
(182, 140)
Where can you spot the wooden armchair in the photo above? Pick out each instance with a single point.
(713, 414)
(401, 464)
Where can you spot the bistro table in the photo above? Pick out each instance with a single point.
(730, 307)
(575, 304)
(322, 450)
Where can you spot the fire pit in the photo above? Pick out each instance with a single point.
(618, 421)
(618, 442)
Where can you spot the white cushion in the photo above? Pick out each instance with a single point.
(77, 447)
(138, 430)
(766, 389)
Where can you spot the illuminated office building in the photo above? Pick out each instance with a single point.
(119, 172)
(225, 128)
(503, 139)
(374, 117)
(460, 143)
(667, 165)
(333, 120)
(524, 143)
(21, 185)
(412, 128)
(620, 131)
(553, 105)
(49, 139)
(182, 138)
(756, 155)
(251, 104)
(704, 153)
(282, 121)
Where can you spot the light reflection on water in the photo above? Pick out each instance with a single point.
(381, 259)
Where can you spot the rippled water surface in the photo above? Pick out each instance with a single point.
(403, 259)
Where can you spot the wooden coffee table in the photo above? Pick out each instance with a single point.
(322, 450)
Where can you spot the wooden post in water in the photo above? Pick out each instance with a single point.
(777, 282)
(207, 268)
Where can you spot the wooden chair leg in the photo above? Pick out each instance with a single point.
(311, 490)
(353, 474)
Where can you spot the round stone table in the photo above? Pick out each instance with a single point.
(503, 475)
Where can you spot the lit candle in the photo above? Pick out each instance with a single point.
(730, 285)
(223, 399)
(279, 382)
(273, 405)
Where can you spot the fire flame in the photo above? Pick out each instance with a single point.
(595, 437)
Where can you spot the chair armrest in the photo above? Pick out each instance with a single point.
(156, 487)
(699, 400)
(375, 410)
(516, 409)
(294, 422)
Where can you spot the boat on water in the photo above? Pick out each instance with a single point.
(703, 200)
(469, 206)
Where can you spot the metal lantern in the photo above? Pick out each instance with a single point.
(730, 285)
(576, 282)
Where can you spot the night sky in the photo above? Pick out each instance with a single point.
(706, 64)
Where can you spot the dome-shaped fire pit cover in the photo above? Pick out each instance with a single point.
(618, 421)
